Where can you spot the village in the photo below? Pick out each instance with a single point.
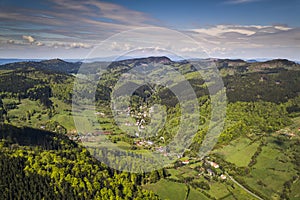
(200, 167)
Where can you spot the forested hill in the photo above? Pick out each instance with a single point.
(274, 80)
(38, 160)
(237, 65)
(37, 164)
(55, 65)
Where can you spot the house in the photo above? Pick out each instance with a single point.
(223, 177)
(150, 142)
(213, 164)
(185, 162)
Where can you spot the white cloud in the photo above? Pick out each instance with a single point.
(39, 44)
(248, 30)
(93, 22)
(28, 38)
(72, 45)
(120, 46)
(80, 45)
(220, 29)
(283, 28)
(11, 41)
(188, 50)
(14, 42)
(232, 41)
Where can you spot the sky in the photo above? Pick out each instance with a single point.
(66, 29)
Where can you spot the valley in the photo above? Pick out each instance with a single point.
(256, 155)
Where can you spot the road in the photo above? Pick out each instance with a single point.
(241, 186)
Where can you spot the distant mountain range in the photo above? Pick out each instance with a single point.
(274, 80)
(72, 66)
(112, 58)
(56, 65)
(4, 61)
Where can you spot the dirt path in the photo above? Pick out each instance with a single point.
(241, 186)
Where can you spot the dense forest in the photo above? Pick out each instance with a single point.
(38, 164)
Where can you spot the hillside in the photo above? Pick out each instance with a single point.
(41, 146)
(55, 65)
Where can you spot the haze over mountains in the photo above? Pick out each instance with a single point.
(4, 61)
(72, 65)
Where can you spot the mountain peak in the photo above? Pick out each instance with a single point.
(53, 61)
(155, 59)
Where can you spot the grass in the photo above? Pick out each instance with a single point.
(196, 195)
(175, 174)
(182, 172)
(238, 152)
(26, 105)
(18, 116)
(168, 190)
(218, 190)
(295, 126)
(66, 120)
(295, 194)
(64, 115)
(271, 170)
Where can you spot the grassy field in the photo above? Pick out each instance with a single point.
(174, 191)
(274, 164)
(295, 194)
(196, 195)
(64, 116)
(270, 172)
(238, 152)
(174, 174)
(182, 172)
(18, 116)
(218, 190)
(168, 190)
(296, 125)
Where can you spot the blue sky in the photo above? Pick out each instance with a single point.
(187, 14)
(224, 28)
